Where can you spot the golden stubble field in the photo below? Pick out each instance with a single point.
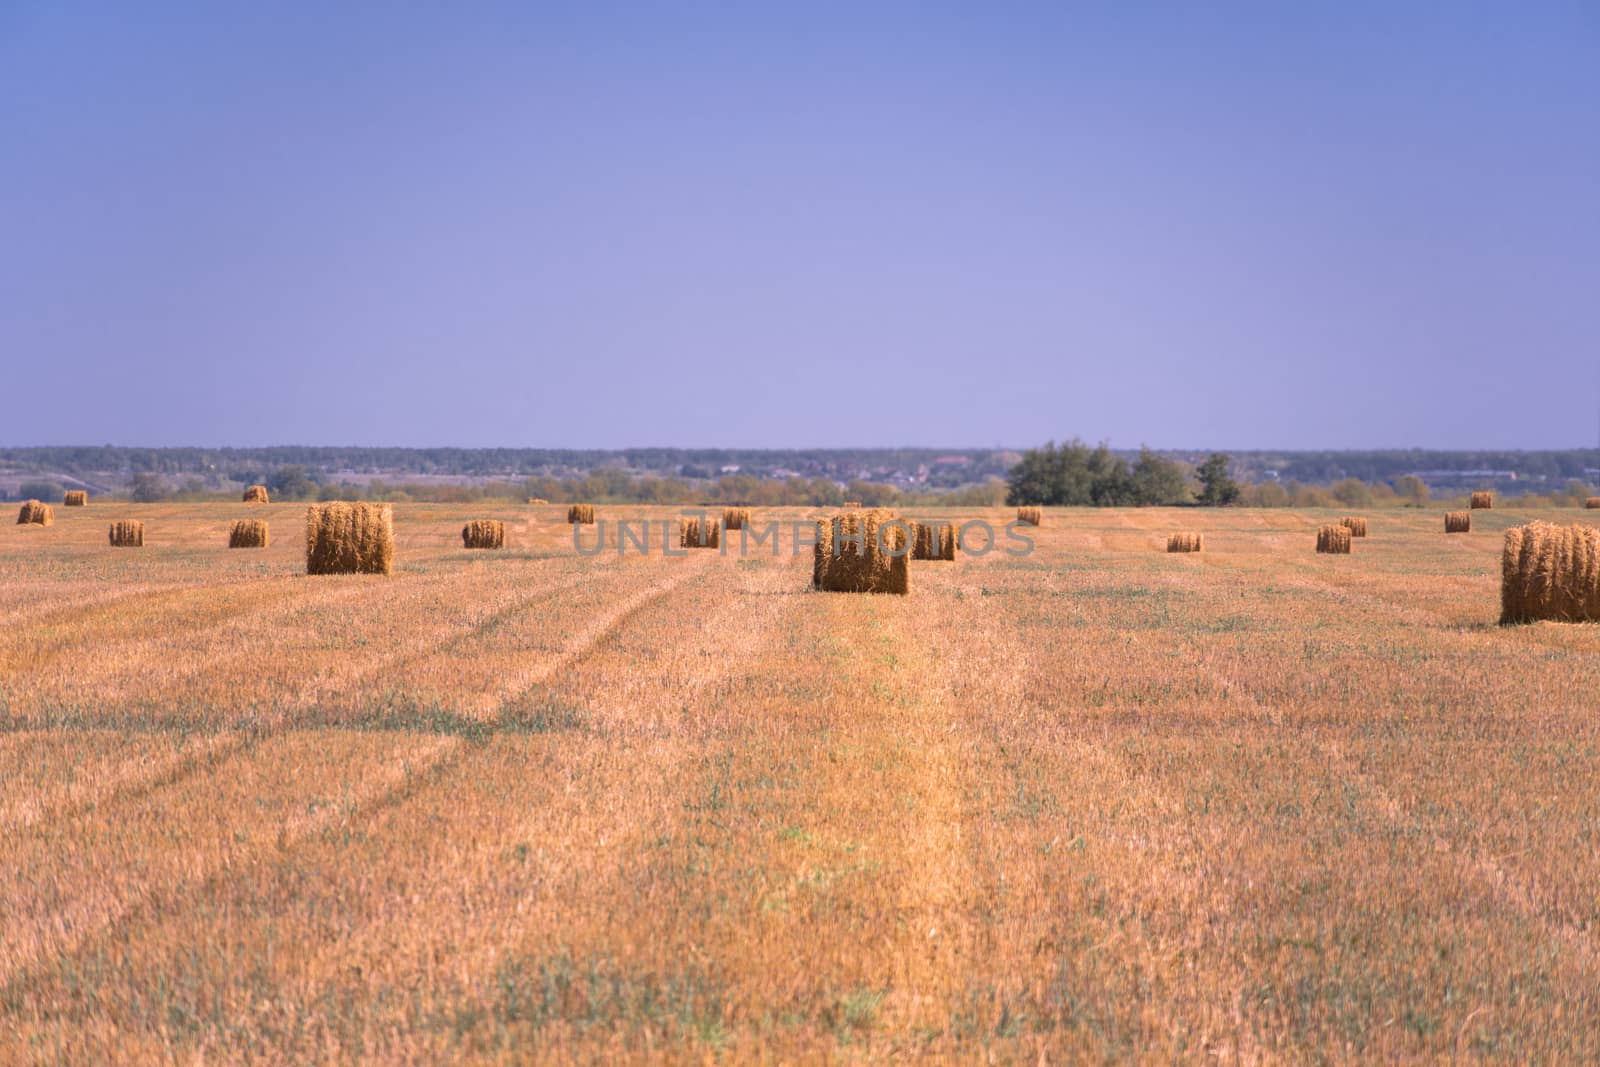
(1099, 802)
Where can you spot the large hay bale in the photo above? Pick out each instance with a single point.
(1334, 540)
(735, 518)
(581, 513)
(1355, 524)
(1592, 503)
(872, 554)
(256, 494)
(933, 541)
(249, 533)
(349, 538)
(1482, 500)
(1550, 572)
(1030, 516)
(34, 513)
(484, 533)
(1186, 542)
(127, 533)
(693, 533)
(75, 498)
(1457, 522)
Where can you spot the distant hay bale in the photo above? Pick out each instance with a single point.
(349, 538)
(735, 518)
(933, 541)
(127, 533)
(34, 513)
(1482, 500)
(249, 533)
(581, 513)
(484, 533)
(1550, 572)
(861, 564)
(75, 498)
(1457, 522)
(692, 533)
(851, 504)
(1030, 516)
(256, 494)
(537, 500)
(1592, 503)
(1355, 524)
(1333, 539)
(1186, 542)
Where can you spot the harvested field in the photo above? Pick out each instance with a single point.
(1091, 803)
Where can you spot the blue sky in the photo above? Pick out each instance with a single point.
(1340, 225)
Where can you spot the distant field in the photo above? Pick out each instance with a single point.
(1096, 802)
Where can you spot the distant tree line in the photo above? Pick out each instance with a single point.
(1075, 475)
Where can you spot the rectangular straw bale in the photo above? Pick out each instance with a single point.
(735, 518)
(933, 541)
(127, 533)
(484, 533)
(1030, 516)
(1457, 522)
(1334, 540)
(256, 494)
(1355, 524)
(75, 498)
(249, 533)
(1482, 500)
(581, 513)
(879, 563)
(349, 538)
(34, 513)
(1550, 572)
(1185, 542)
(693, 533)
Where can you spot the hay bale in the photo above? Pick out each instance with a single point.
(1030, 516)
(537, 500)
(347, 538)
(1185, 542)
(1355, 524)
(851, 504)
(127, 533)
(933, 541)
(581, 513)
(692, 533)
(249, 533)
(1482, 500)
(34, 513)
(1457, 522)
(735, 518)
(484, 533)
(1592, 503)
(867, 566)
(256, 494)
(1550, 572)
(75, 498)
(1334, 540)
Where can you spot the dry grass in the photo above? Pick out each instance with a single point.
(249, 533)
(1030, 516)
(933, 541)
(1186, 542)
(1550, 572)
(1355, 524)
(484, 533)
(862, 552)
(693, 533)
(735, 518)
(1482, 500)
(349, 538)
(1080, 806)
(257, 494)
(34, 513)
(75, 498)
(582, 514)
(1333, 540)
(127, 533)
(1457, 522)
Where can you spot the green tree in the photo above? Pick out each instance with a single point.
(1217, 487)
(1158, 481)
(42, 491)
(1352, 492)
(1412, 489)
(148, 488)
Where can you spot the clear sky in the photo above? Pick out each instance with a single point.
(800, 224)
